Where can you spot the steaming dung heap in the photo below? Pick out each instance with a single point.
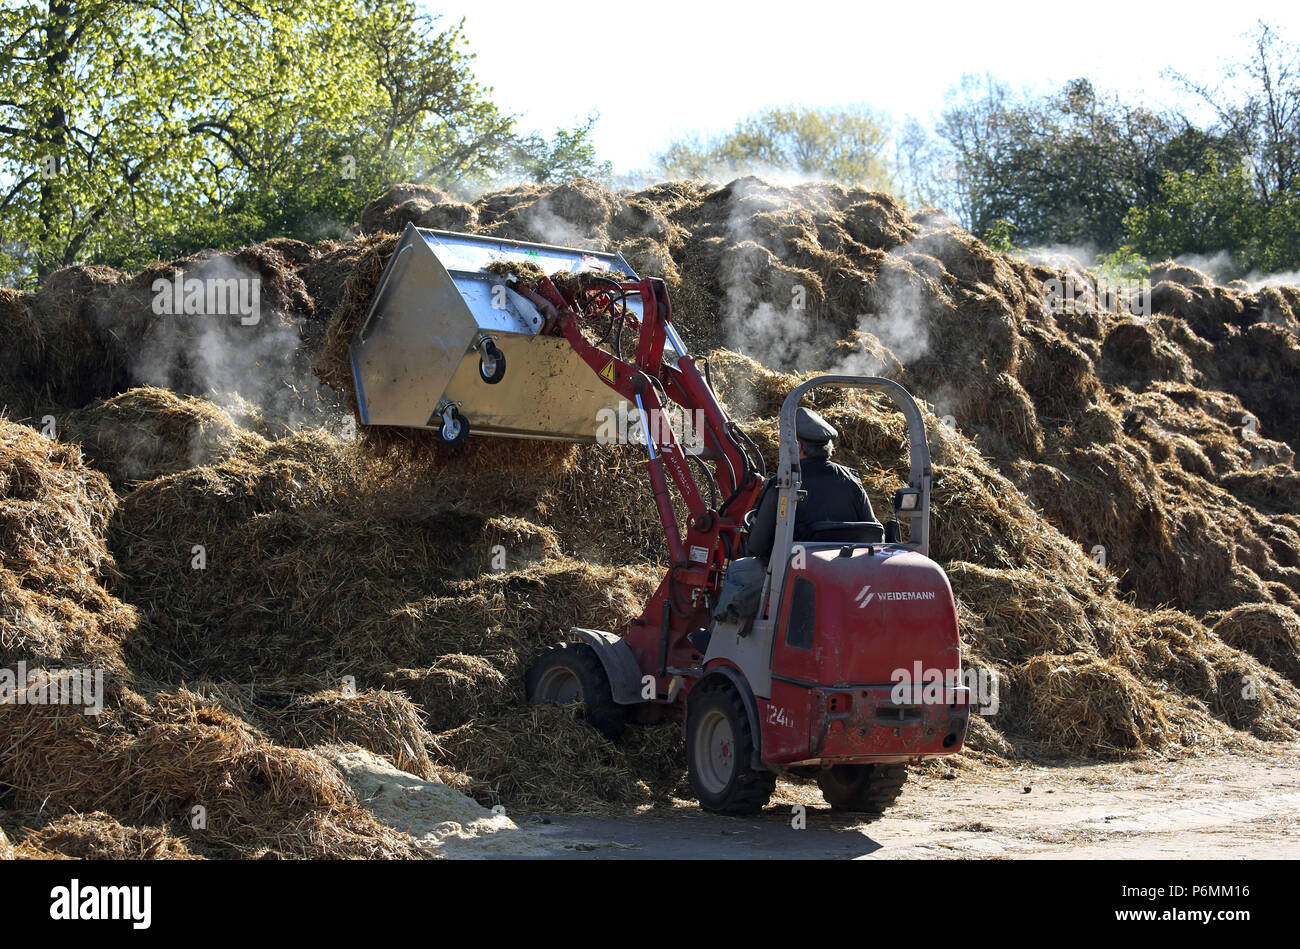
(1058, 426)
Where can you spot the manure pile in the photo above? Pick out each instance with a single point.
(256, 584)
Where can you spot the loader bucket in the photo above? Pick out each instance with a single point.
(440, 325)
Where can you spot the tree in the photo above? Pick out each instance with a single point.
(1200, 211)
(924, 170)
(568, 154)
(138, 128)
(1239, 188)
(975, 127)
(1063, 168)
(1258, 108)
(849, 145)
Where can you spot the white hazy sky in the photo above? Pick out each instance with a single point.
(662, 69)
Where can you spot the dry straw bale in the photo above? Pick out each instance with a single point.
(56, 608)
(542, 758)
(1268, 632)
(513, 616)
(406, 203)
(264, 359)
(151, 760)
(379, 721)
(20, 358)
(1180, 274)
(100, 836)
(1133, 350)
(308, 564)
(1275, 489)
(325, 275)
(81, 355)
(148, 432)
(457, 688)
(1203, 673)
(1080, 704)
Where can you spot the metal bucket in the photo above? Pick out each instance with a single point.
(440, 324)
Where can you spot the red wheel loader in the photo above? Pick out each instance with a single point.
(845, 662)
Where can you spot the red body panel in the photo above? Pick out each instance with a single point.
(882, 622)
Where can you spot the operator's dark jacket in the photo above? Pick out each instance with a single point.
(834, 494)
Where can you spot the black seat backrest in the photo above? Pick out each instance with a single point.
(847, 532)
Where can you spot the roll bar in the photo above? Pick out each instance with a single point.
(788, 477)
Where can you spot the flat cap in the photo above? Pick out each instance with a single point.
(811, 427)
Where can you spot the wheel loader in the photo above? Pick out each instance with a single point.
(837, 658)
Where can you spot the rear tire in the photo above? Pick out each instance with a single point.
(572, 672)
(719, 751)
(862, 788)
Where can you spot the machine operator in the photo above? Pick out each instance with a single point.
(834, 493)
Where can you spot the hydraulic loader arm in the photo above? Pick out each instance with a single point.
(701, 549)
(650, 382)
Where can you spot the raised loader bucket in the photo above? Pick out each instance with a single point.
(447, 345)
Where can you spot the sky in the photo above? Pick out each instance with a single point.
(670, 68)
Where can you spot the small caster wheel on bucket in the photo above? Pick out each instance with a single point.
(454, 429)
(492, 363)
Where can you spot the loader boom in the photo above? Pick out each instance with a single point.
(712, 537)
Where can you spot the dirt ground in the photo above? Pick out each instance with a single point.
(1210, 806)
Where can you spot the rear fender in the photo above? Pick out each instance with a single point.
(620, 665)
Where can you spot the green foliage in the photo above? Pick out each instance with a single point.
(569, 154)
(1077, 168)
(1121, 267)
(1217, 208)
(849, 145)
(1198, 211)
(998, 236)
(1065, 167)
(134, 129)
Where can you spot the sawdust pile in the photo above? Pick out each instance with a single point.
(260, 590)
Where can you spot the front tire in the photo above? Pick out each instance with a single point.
(862, 788)
(572, 672)
(719, 752)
